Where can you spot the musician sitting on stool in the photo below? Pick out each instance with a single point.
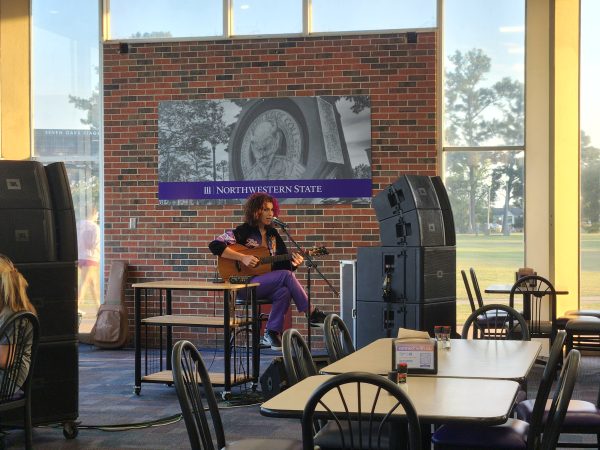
(280, 285)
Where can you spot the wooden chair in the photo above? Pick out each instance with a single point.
(337, 338)
(366, 428)
(538, 434)
(20, 335)
(194, 388)
(297, 359)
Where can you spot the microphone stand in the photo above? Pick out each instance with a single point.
(310, 264)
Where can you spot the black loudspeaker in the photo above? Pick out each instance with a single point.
(348, 294)
(58, 184)
(407, 193)
(417, 274)
(274, 379)
(419, 227)
(64, 215)
(54, 387)
(53, 291)
(23, 185)
(442, 194)
(27, 235)
(371, 318)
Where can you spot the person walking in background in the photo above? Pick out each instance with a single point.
(88, 243)
(280, 285)
(13, 299)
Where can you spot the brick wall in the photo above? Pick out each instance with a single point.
(171, 241)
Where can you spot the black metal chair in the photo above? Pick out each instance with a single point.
(370, 426)
(582, 417)
(496, 322)
(20, 336)
(192, 384)
(538, 434)
(476, 288)
(538, 294)
(337, 338)
(297, 360)
(468, 289)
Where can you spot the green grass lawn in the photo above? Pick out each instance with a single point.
(496, 258)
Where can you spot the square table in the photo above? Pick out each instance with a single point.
(477, 358)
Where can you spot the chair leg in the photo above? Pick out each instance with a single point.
(28, 425)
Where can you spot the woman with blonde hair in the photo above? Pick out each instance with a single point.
(13, 299)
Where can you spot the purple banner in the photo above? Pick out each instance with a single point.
(210, 190)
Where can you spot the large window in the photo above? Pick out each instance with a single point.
(258, 17)
(160, 19)
(348, 15)
(590, 156)
(484, 137)
(155, 19)
(66, 116)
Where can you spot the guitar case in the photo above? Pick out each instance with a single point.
(111, 329)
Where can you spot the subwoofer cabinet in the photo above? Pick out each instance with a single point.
(38, 233)
(374, 319)
(422, 285)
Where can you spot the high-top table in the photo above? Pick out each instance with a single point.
(437, 400)
(163, 317)
(479, 358)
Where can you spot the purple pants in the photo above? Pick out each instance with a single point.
(279, 286)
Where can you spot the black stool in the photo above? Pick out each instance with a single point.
(583, 333)
(262, 317)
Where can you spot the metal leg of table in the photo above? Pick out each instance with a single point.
(227, 338)
(138, 337)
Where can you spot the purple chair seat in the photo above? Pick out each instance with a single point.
(509, 435)
(562, 321)
(583, 312)
(583, 324)
(580, 414)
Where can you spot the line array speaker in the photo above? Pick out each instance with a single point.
(23, 185)
(419, 227)
(407, 193)
(442, 195)
(64, 215)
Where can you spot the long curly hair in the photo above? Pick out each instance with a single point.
(254, 205)
(13, 287)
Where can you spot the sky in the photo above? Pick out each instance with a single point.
(65, 37)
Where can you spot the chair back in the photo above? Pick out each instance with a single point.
(192, 382)
(544, 433)
(537, 290)
(496, 322)
(476, 287)
(368, 427)
(297, 359)
(337, 338)
(20, 336)
(468, 289)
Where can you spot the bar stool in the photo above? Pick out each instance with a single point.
(583, 333)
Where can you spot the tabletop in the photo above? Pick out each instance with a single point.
(437, 400)
(506, 288)
(466, 358)
(192, 285)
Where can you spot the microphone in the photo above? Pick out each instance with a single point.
(276, 221)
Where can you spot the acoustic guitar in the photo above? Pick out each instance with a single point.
(229, 267)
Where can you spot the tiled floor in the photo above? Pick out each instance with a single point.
(106, 398)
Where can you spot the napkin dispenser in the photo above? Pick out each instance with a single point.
(419, 354)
